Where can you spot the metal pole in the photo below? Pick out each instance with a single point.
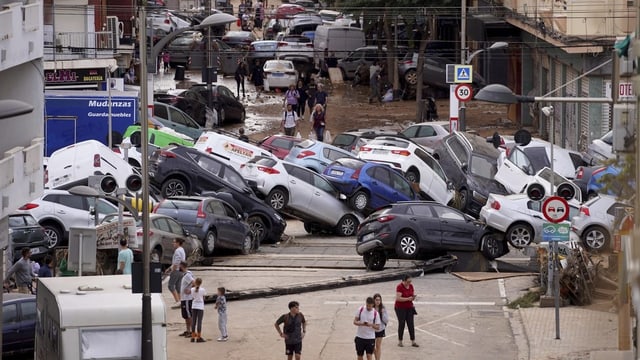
(209, 65)
(80, 238)
(554, 253)
(109, 121)
(556, 286)
(147, 332)
(462, 122)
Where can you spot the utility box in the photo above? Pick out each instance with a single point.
(624, 127)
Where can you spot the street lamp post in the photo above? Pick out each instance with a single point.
(463, 107)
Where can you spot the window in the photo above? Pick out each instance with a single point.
(215, 207)
(483, 167)
(230, 211)
(175, 227)
(299, 173)
(426, 131)
(458, 151)
(73, 201)
(98, 344)
(333, 155)
(178, 118)
(161, 224)
(421, 210)
(324, 185)
(160, 111)
(233, 178)
(102, 207)
(431, 162)
(381, 174)
(29, 311)
(534, 205)
(399, 183)
(411, 131)
(209, 165)
(282, 143)
(9, 313)
(519, 159)
(448, 213)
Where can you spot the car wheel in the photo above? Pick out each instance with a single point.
(411, 77)
(491, 246)
(375, 260)
(246, 244)
(407, 245)
(173, 187)
(243, 116)
(53, 234)
(595, 238)
(520, 235)
(347, 226)
(258, 228)
(360, 200)
(209, 242)
(412, 176)
(222, 116)
(591, 195)
(311, 228)
(278, 199)
(463, 199)
(156, 255)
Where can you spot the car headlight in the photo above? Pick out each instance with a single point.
(479, 197)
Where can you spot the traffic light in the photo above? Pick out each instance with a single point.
(108, 184)
(566, 191)
(535, 192)
(134, 183)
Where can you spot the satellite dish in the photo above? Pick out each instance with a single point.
(522, 137)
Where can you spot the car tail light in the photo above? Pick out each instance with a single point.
(305, 153)
(208, 150)
(407, 62)
(385, 218)
(495, 205)
(28, 206)
(585, 210)
(167, 21)
(365, 148)
(167, 154)
(96, 160)
(268, 170)
(599, 170)
(201, 214)
(579, 172)
(116, 150)
(139, 233)
(281, 44)
(401, 152)
(356, 174)
(310, 45)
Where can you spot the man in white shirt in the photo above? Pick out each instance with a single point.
(368, 322)
(186, 298)
(174, 270)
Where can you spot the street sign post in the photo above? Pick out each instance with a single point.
(555, 209)
(464, 92)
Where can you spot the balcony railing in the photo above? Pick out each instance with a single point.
(78, 45)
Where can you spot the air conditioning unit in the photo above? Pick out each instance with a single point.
(113, 27)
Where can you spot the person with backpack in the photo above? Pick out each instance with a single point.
(289, 121)
(368, 322)
(293, 331)
(291, 97)
(384, 320)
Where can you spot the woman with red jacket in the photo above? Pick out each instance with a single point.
(405, 310)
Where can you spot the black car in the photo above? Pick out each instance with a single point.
(239, 39)
(471, 163)
(214, 221)
(422, 230)
(179, 170)
(191, 103)
(224, 101)
(24, 231)
(19, 316)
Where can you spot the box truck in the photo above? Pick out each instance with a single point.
(95, 317)
(74, 116)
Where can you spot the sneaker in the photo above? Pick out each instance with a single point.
(400, 344)
(185, 333)
(176, 305)
(415, 345)
(193, 339)
(200, 340)
(223, 338)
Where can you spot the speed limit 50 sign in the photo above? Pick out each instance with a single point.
(464, 92)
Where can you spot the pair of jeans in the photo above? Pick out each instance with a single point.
(405, 316)
(196, 320)
(319, 133)
(222, 324)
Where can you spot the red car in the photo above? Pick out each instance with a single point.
(279, 145)
(286, 11)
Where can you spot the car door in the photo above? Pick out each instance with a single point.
(300, 185)
(27, 324)
(10, 327)
(325, 204)
(206, 172)
(435, 178)
(382, 191)
(457, 232)
(74, 210)
(422, 217)
(516, 171)
(162, 236)
(223, 223)
(176, 231)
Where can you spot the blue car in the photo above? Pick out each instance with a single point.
(369, 185)
(596, 183)
(315, 155)
(19, 323)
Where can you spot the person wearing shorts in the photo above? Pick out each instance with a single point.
(293, 331)
(368, 322)
(186, 298)
(175, 275)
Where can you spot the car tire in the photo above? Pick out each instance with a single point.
(463, 199)
(411, 77)
(247, 244)
(412, 176)
(519, 235)
(258, 228)
(243, 116)
(491, 246)
(209, 242)
(311, 228)
(407, 245)
(374, 260)
(360, 200)
(173, 187)
(347, 226)
(595, 238)
(278, 199)
(156, 255)
(53, 234)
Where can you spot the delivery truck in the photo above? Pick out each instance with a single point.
(95, 317)
(74, 116)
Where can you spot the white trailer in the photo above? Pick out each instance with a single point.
(95, 317)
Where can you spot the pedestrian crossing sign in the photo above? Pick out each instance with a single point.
(463, 74)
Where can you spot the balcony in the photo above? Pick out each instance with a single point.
(20, 33)
(78, 45)
(21, 176)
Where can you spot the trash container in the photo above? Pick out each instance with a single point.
(179, 73)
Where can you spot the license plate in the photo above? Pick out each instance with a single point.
(35, 251)
(377, 151)
(368, 236)
(277, 75)
(337, 172)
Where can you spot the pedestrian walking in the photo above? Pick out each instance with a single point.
(289, 120)
(384, 320)
(166, 60)
(125, 258)
(257, 77)
(321, 97)
(374, 82)
(174, 272)
(240, 74)
(291, 97)
(318, 121)
(197, 311)
(302, 101)
(405, 311)
(186, 298)
(368, 322)
(22, 271)
(293, 330)
(221, 306)
(312, 88)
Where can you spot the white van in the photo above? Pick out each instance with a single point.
(235, 151)
(338, 40)
(95, 317)
(72, 165)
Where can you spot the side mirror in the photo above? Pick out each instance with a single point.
(450, 185)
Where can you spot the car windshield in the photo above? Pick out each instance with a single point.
(344, 139)
(264, 161)
(608, 138)
(483, 167)
(546, 174)
(22, 220)
(351, 163)
(179, 204)
(278, 65)
(306, 144)
(386, 141)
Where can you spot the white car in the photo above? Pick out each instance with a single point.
(427, 134)
(522, 163)
(599, 150)
(595, 223)
(279, 74)
(58, 210)
(518, 217)
(413, 161)
(295, 48)
(302, 193)
(232, 150)
(166, 21)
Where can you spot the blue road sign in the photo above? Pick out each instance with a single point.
(463, 74)
(555, 232)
